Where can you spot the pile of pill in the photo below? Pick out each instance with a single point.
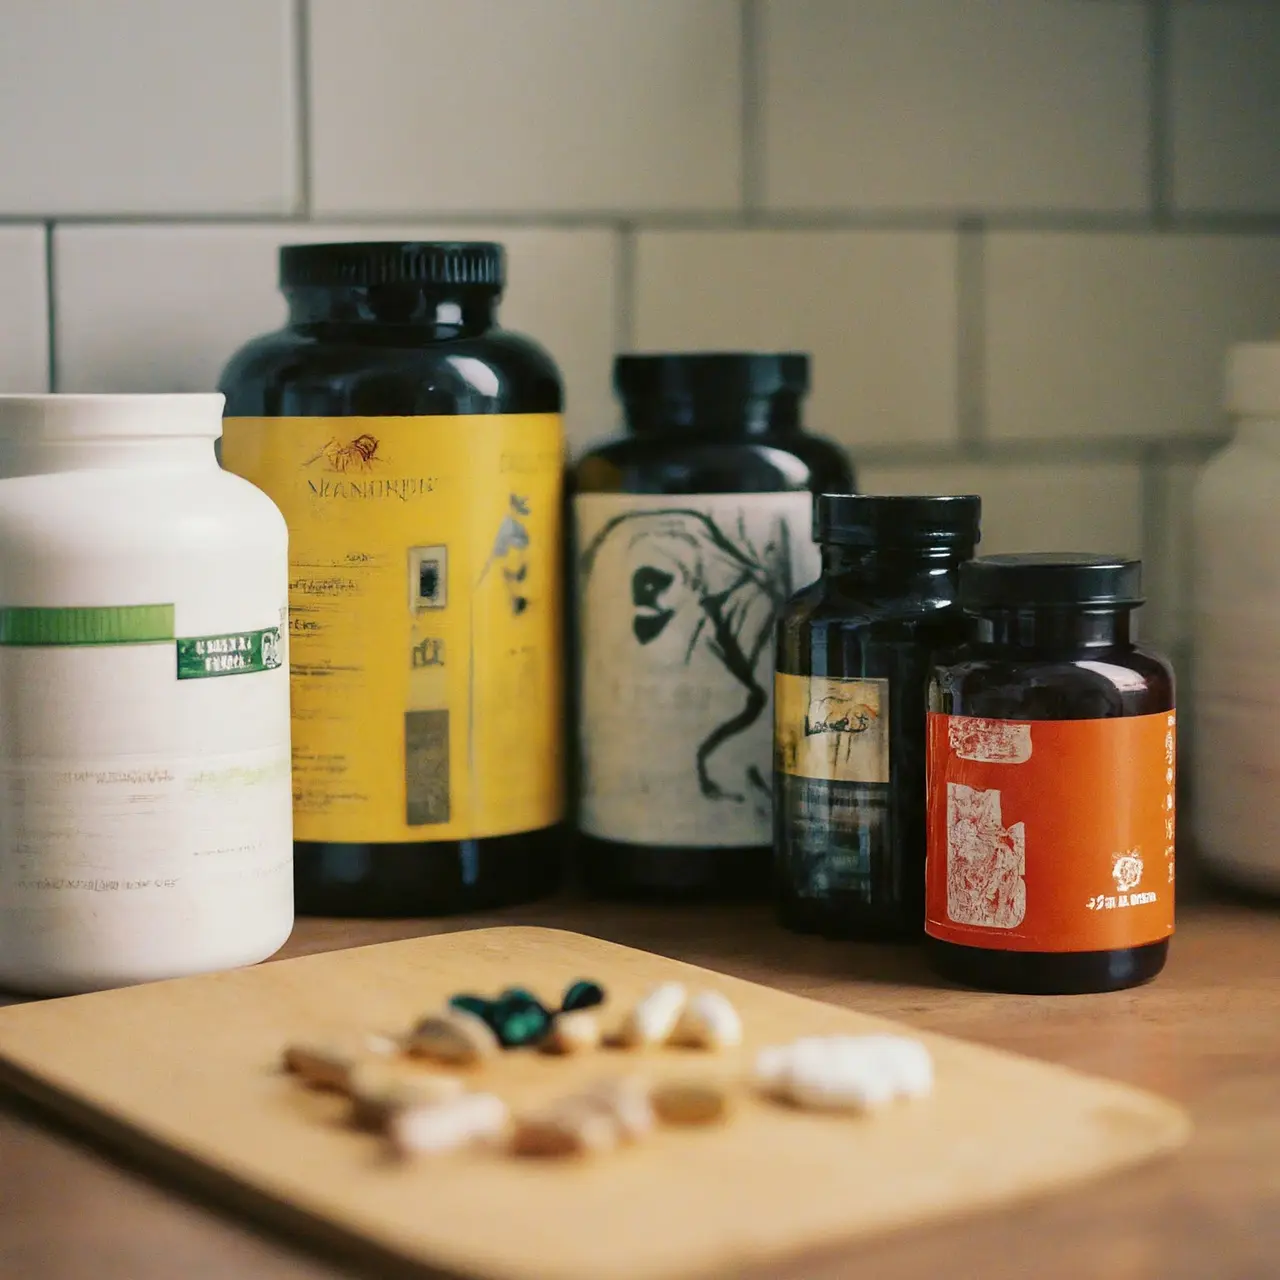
(415, 1089)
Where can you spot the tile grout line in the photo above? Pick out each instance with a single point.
(51, 306)
(1184, 551)
(625, 302)
(1160, 130)
(302, 104)
(971, 336)
(752, 154)
(1067, 223)
(1100, 451)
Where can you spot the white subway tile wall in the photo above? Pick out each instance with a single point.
(1016, 235)
(525, 106)
(1098, 507)
(163, 307)
(955, 104)
(1103, 336)
(24, 310)
(876, 309)
(1168, 615)
(1226, 107)
(148, 106)
(1036, 506)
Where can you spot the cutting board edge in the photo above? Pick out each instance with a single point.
(797, 1260)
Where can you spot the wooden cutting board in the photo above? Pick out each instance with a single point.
(187, 1070)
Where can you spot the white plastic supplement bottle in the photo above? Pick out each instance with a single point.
(145, 796)
(1235, 677)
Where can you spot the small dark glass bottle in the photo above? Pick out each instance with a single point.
(691, 532)
(416, 451)
(1051, 783)
(853, 659)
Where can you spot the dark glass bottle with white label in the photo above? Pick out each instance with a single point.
(691, 532)
(853, 660)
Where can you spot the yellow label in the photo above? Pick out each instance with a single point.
(425, 619)
(834, 729)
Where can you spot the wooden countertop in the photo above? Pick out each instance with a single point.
(1206, 1033)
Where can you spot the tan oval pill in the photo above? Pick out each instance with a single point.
(574, 1126)
(690, 1102)
(328, 1063)
(380, 1090)
(545, 1136)
(455, 1037)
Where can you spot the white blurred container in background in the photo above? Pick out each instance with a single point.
(1236, 632)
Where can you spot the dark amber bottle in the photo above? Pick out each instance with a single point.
(691, 531)
(853, 659)
(1051, 783)
(416, 451)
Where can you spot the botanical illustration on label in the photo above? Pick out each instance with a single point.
(986, 862)
(1051, 835)
(678, 600)
(832, 728)
(425, 619)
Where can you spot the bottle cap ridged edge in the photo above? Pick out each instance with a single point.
(460, 264)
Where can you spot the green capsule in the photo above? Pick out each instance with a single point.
(476, 1005)
(583, 994)
(519, 1018)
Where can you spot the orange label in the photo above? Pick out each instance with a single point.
(1050, 835)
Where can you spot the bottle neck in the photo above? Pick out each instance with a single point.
(895, 569)
(371, 310)
(760, 416)
(32, 456)
(1047, 631)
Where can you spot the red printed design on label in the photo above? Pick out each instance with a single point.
(1051, 835)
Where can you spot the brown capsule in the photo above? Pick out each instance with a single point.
(597, 1119)
(453, 1037)
(569, 1128)
(328, 1064)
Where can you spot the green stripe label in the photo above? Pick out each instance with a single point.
(91, 625)
(237, 654)
(233, 654)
